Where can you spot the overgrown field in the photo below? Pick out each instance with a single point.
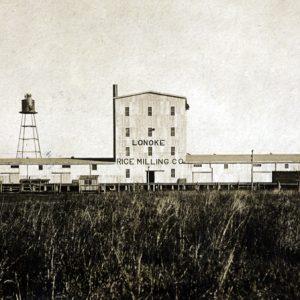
(216, 245)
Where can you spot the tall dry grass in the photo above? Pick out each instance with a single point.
(188, 245)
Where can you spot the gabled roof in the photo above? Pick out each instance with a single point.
(243, 158)
(156, 93)
(151, 92)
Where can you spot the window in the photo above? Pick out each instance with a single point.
(197, 165)
(173, 173)
(87, 182)
(172, 131)
(225, 166)
(286, 166)
(127, 111)
(127, 150)
(127, 132)
(256, 165)
(127, 174)
(172, 150)
(14, 166)
(172, 110)
(94, 167)
(149, 151)
(149, 111)
(66, 166)
(41, 167)
(150, 132)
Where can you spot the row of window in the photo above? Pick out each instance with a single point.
(127, 150)
(127, 173)
(286, 166)
(41, 167)
(150, 130)
(172, 111)
(150, 151)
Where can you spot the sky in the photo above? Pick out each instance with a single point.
(236, 61)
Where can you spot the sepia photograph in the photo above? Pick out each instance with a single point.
(149, 149)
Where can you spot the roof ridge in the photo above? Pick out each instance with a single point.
(151, 92)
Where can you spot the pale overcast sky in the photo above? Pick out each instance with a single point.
(237, 62)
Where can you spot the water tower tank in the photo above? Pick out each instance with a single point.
(28, 105)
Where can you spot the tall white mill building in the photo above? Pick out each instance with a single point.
(150, 136)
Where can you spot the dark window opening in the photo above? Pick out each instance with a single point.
(173, 173)
(41, 167)
(172, 131)
(94, 167)
(14, 166)
(127, 132)
(149, 111)
(66, 166)
(172, 150)
(225, 166)
(127, 173)
(149, 151)
(127, 150)
(150, 132)
(172, 110)
(127, 111)
(87, 181)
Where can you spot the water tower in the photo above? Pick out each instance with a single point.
(29, 144)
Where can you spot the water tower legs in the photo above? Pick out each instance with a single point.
(28, 144)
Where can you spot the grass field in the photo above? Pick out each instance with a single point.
(216, 245)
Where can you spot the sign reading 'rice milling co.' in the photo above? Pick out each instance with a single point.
(149, 161)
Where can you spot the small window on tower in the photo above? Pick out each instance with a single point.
(127, 132)
(127, 150)
(172, 150)
(94, 167)
(127, 173)
(40, 167)
(150, 132)
(149, 151)
(172, 110)
(149, 111)
(126, 111)
(173, 173)
(172, 131)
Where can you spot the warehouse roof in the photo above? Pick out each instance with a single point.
(243, 158)
(53, 161)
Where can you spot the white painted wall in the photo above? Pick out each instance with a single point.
(138, 123)
(114, 173)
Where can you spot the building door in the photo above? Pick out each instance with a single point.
(150, 176)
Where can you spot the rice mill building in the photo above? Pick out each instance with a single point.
(149, 146)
